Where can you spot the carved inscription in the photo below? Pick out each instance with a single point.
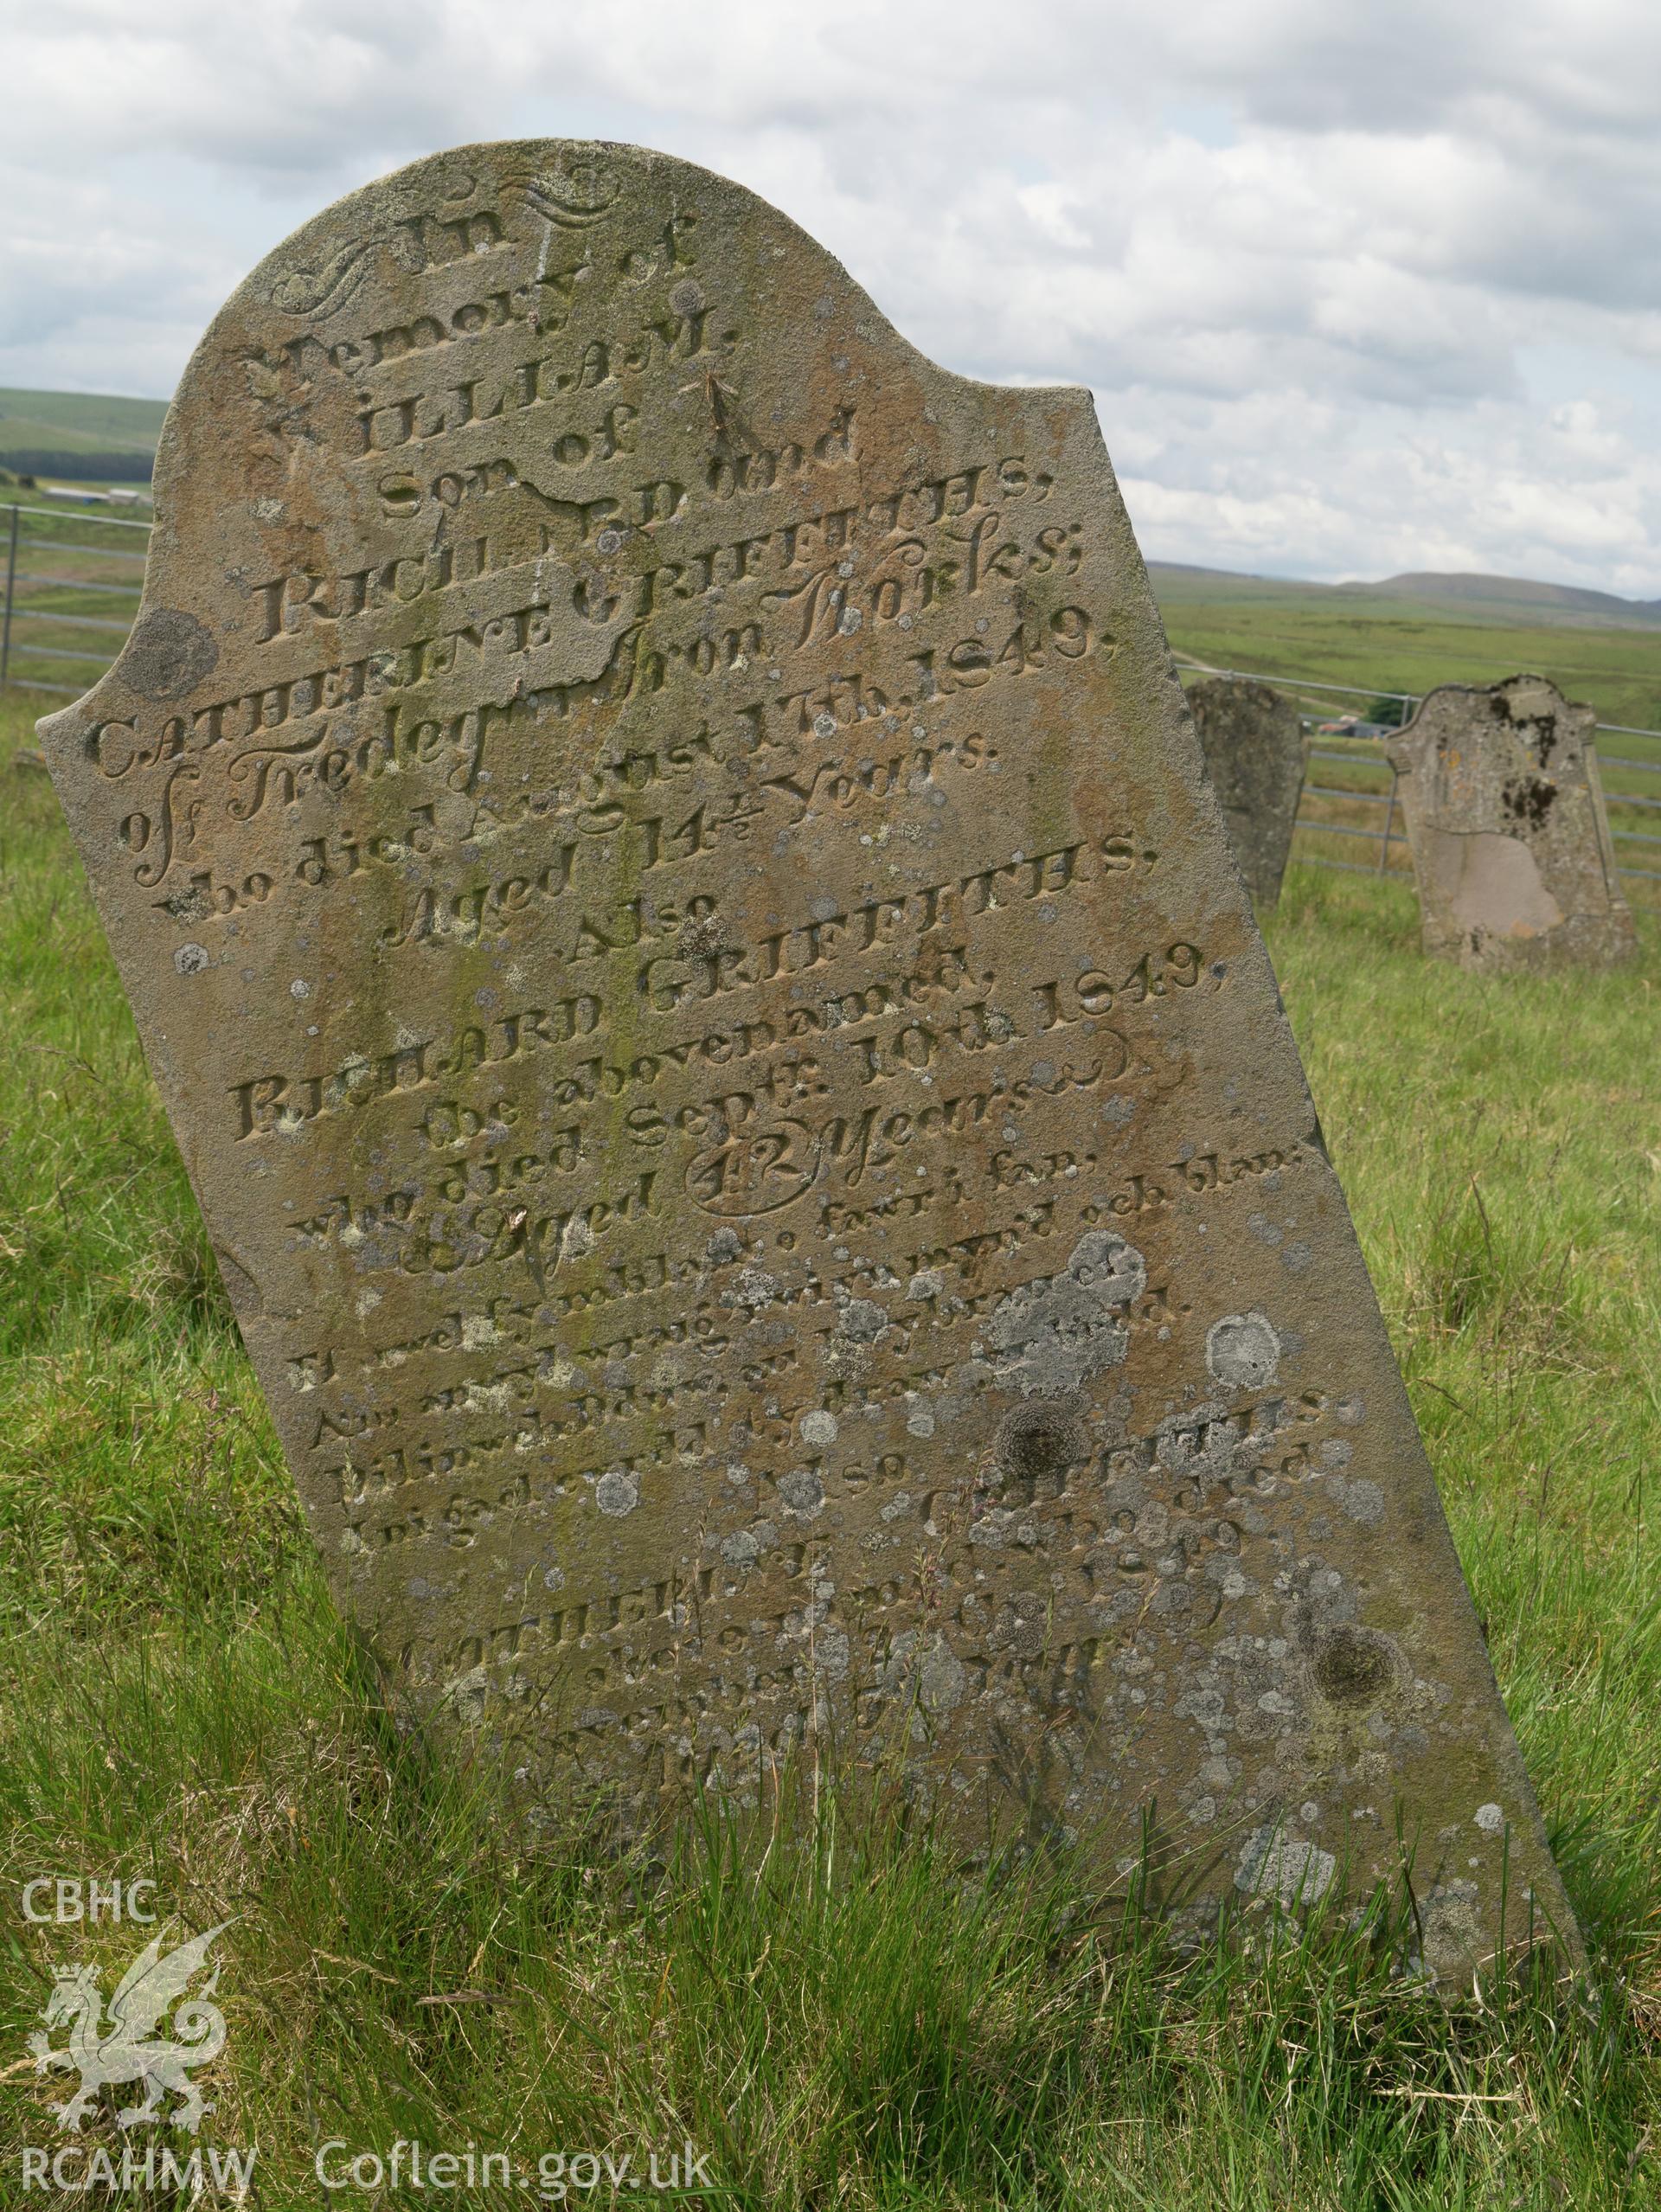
(671, 897)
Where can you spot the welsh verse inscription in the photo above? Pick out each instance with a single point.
(668, 889)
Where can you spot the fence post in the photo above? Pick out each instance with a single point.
(1390, 823)
(11, 586)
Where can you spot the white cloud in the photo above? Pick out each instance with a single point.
(1311, 255)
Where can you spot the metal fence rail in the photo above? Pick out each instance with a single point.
(1370, 759)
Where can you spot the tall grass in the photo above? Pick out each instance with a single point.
(832, 2020)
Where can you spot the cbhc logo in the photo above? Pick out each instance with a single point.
(72, 1900)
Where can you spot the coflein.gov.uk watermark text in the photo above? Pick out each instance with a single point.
(555, 2175)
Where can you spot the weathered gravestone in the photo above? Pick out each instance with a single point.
(668, 888)
(1505, 817)
(1256, 755)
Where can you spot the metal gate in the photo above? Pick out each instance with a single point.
(72, 585)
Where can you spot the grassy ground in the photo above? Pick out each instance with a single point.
(843, 2028)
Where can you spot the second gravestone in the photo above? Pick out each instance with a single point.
(653, 839)
(1510, 842)
(1256, 755)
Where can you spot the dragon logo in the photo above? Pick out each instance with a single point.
(128, 2050)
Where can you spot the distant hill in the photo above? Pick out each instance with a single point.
(1175, 581)
(1451, 597)
(1515, 595)
(80, 435)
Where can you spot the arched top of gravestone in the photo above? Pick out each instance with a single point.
(345, 348)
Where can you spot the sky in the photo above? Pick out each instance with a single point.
(1358, 288)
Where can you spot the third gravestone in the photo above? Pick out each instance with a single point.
(1505, 817)
(667, 885)
(1256, 755)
